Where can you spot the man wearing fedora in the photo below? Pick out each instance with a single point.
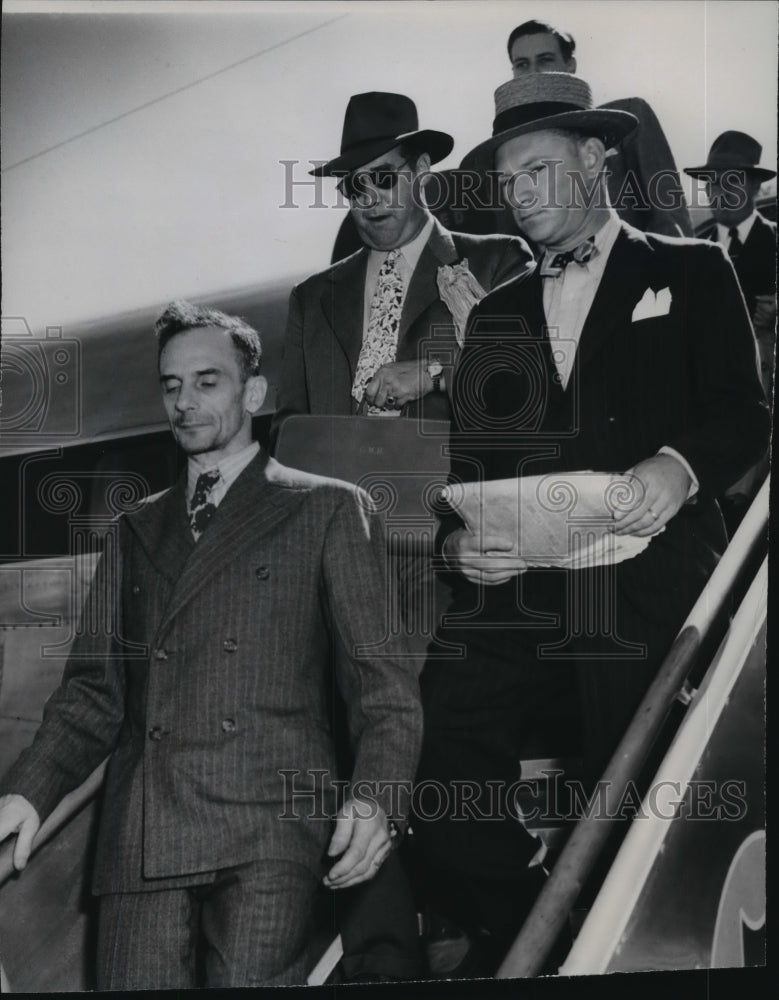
(360, 334)
(375, 335)
(732, 179)
(623, 352)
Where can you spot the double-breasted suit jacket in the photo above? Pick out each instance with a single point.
(681, 374)
(217, 677)
(325, 324)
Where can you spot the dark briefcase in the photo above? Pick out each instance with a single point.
(401, 463)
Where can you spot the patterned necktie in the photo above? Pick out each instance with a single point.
(735, 246)
(380, 343)
(201, 507)
(554, 266)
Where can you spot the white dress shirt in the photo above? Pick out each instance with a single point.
(406, 265)
(229, 470)
(744, 228)
(568, 298)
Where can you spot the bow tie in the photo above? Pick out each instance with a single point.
(553, 266)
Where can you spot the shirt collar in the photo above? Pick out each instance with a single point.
(606, 236)
(744, 228)
(229, 468)
(412, 250)
(604, 239)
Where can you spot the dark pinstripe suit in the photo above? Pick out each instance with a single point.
(234, 686)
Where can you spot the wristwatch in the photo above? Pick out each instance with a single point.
(435, 370)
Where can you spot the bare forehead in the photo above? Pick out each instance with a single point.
(201, 347)
(522, 150)
(534, 45)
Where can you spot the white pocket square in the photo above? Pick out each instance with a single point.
(653, 304)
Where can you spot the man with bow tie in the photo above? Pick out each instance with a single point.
(624, 352)
(208, 688)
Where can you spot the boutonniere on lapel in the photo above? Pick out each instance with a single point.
(459, 292)
(653, 304)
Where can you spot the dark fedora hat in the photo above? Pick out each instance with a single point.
(538, 101)
(733, 151)
(376, 122)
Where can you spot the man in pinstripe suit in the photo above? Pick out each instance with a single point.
(209, 687)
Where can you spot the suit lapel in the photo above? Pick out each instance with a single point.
(343, 305)
(759, 246)
(629, 271)
(163, 530)
(707, 232)
(249, 510)
(423, 288)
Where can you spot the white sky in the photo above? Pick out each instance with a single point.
(141, 148)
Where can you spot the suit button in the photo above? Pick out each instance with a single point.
(228, 725)
(136, 590)
(156, 733)
(262, 573)
(160, 654)
(229, 645)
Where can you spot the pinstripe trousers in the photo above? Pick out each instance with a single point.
(250, 926)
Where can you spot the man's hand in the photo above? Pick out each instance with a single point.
(482, 561)
(662, 488)
(363, 839)
(18, 816)
(765, 312)
(398, 383)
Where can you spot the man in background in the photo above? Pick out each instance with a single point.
(643, 182)
(732, 178)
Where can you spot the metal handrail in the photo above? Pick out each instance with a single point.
(597, 943)
(526, 956)
(66, 809)
(546, 920)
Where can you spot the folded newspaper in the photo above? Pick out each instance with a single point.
(564, 520)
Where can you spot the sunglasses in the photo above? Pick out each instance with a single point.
(355, 184)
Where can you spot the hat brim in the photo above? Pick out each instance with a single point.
(436, 144)
(608, 125)
(706, 171)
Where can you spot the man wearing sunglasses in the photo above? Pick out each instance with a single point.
(371, 335)
(361, 335)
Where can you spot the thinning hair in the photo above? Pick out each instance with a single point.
(180, 316)
(564, 40)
